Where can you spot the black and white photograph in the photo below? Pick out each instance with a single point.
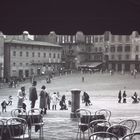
(70, 72)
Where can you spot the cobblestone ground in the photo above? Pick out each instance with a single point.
(103, 90)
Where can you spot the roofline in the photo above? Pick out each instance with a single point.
(31, 42)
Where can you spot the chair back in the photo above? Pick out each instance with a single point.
(105, 112)
(132, 136)
(35, 116)
(119, 130)
(99, 125)
(1, 128)
(18, 111)
(132, 124)
(103, 136)
(83, 115)
(16, 126)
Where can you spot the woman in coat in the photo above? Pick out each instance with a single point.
(21, 96)
(43, 97)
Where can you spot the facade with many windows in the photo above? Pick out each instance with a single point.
(24, 57)
(117, 52)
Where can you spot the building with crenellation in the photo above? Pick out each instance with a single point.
(117, 52)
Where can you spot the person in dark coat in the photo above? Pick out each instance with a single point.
(43, 97)
(124, 97)
(135, 98)
(86, 99)
(4, 105)
(120, 96)
(33, 94)
(63, 103)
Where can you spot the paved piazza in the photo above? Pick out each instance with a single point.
(103, 90)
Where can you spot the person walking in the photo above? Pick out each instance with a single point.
(33, 94)
(43, 99)
(21, 97)
(124, 97)
(54, 101)
(120, 96)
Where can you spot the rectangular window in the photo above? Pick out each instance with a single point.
(39, 54)
(119, 38)
(96, 39)
(49, 55)
(136, 57)
(33, 54)
(112, 48)
(127, 48)
(58, 55)
(20, 54)
(119, 48)
(112, 38)
(27, 54)
(54, 55)
(44, 55)
(137, 48)
(14, 53)
(112, 57)
(127, 56)
(127, 38)
(119, 57)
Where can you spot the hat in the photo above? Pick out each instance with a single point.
(34, 82)
(43, 87)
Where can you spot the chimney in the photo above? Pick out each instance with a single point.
(25, 35)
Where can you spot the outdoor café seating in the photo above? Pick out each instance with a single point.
(17, 111)
(99, 125)
(83, 123)
(105, 112)
(35, 118)
(132, 136)
(103, 136)
(130, 123)
(15, 129)
(119, 130)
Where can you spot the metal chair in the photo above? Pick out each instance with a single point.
(103, 136)
(83, 117)
(18, 111)
(105, 112)
(1, 128)
(35, 118)
(132, 136)
(99, 125)
(17, 128)
(132, 124)
(119, 130)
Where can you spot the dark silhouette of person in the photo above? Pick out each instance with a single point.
(120, 96)
(63, 103)
(135, 98)
(86, 99)
(33, 94)
(124, 97)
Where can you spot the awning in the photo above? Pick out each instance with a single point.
(90, 64)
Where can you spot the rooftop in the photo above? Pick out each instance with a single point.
(31, 42)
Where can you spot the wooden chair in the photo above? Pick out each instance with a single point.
(99, 125)
(83, 116)
(132, 136)
(17, 128)
(119, 130)
(105, 112)
(35, 118)
(132, 124)
(103, 136)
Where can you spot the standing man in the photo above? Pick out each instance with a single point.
(33, 94)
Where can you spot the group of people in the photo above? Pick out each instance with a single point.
(44, 98)
(122, 97)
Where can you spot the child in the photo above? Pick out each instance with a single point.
(3, 105)
(10, 100)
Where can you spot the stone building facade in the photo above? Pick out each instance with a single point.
(117, 52)
(24, 57)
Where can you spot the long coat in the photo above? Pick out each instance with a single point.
(32, 94)
(43, 99)
(21, 96)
